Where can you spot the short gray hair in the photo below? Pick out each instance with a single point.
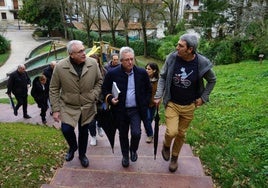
(70, 45)
(191, 41)
(125, 49)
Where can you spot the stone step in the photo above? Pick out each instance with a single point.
(81, 178)
(190, 166)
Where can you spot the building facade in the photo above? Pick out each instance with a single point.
(9, 10)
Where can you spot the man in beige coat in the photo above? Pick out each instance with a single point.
(74, 89)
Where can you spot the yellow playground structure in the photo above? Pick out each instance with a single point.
(104, 50)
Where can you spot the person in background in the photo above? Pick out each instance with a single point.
(40, 94)
(181, 85)
(74, 90)
(18, 83)
(153, 73)
(112, 64)
(49, 70)
(131, 105)
(93, 125)
(48, 73)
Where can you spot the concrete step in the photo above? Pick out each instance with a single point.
(67, 177)
(105, 169)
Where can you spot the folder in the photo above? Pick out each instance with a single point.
(115, 90)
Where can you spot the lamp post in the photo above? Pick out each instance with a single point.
(19, 23)
(76, 11)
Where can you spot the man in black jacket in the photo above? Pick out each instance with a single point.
(130, 107)
(18, 84)
(40, 92)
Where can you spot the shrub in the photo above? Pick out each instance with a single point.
(4, 44)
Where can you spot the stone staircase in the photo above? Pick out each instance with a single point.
(105, 169)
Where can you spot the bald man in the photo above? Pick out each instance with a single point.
(18, 84)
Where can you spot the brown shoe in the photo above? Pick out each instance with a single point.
(173, 166)
(166, 153)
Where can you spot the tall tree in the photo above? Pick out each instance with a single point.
(44, 13)
(88, 8)
(212, 16)
(146, 10)
(173, 7)
(111, 11)
(125, 12)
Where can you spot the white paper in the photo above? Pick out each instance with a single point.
(115, 90)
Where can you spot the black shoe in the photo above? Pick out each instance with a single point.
(125, 162)
(44, 121)
(133, 156)
(70, 155)
(15, 112)
(84, 161)
(27, 116)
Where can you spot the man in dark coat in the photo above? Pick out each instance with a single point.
(49, 70)
(18, 84)
(130, 107)
(40, 94)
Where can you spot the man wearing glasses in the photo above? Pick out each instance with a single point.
(130, 107)
(74, 89)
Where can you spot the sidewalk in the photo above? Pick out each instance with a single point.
(21, 44)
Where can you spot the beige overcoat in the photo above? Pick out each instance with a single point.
(73, 96)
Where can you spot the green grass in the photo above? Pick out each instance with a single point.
(4, 58)
(30, 154)
(230, 133)
(6, 100)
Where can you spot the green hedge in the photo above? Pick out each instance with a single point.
(4, 44)
(224, 51)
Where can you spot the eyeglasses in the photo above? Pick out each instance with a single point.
(80, 51)
(128, 59)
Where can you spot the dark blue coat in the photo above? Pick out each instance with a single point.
(142, 90)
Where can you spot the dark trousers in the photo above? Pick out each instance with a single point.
(92, 128)
(22, 100)
(44, 106)
(132, 120)
(69, 135)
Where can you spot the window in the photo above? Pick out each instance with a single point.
(4, 16)
(2, 2)
(196, 2)
(15, 3)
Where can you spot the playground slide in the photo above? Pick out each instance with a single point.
(94, 50)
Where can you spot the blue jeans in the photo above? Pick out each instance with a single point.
(148, 122)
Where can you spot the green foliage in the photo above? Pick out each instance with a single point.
(4, 44)
(230, 133)
(167, 45)
(4, 57)
(137, 45)
(212, 16)
(30, 154)
(43, 13)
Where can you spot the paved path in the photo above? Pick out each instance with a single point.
(21, 44)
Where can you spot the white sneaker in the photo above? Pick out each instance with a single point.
(93, 141)
(100, 132)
